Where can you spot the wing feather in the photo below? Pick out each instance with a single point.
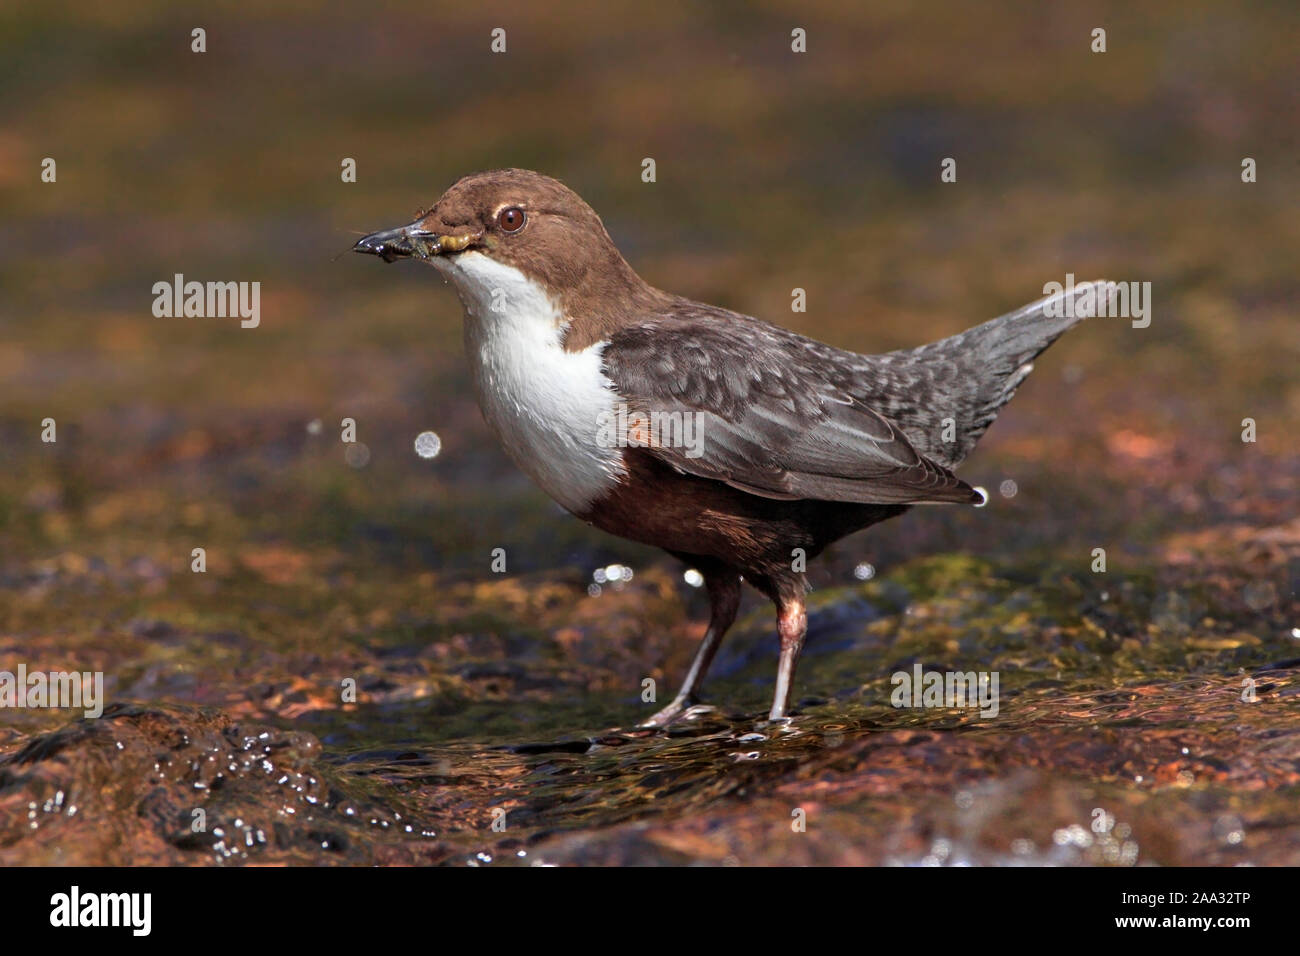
(775, 413)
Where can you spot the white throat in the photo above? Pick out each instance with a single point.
(544, 403)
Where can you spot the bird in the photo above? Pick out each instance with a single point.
(740, 447)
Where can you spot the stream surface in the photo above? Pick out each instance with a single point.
(1175, 741)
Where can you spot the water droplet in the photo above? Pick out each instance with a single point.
(1008, 488)
(357, 455)
(864, 572)
(428, 444)
(1229, 829)
(1259, 595)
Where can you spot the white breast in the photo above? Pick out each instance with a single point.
(544, 403)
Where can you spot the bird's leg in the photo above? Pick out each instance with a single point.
(791, 626)
(724, 600)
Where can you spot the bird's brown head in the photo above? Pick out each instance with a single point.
(523, 221)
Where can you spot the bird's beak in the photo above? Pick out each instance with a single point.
(411, 241)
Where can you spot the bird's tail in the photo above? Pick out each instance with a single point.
(969, 377)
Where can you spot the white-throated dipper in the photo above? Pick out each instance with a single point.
(738, 446)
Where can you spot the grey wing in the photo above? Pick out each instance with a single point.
(767, 412)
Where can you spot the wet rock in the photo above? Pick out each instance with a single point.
(169, 786)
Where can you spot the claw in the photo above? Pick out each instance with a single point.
(677, 710)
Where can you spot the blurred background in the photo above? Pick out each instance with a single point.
(775, 170)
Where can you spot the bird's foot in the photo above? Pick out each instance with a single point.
(679, 709)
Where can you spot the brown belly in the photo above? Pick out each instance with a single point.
(655, 504)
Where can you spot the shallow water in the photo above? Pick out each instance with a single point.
(1106, 750)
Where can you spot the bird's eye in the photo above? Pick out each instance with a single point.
(511, 219)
